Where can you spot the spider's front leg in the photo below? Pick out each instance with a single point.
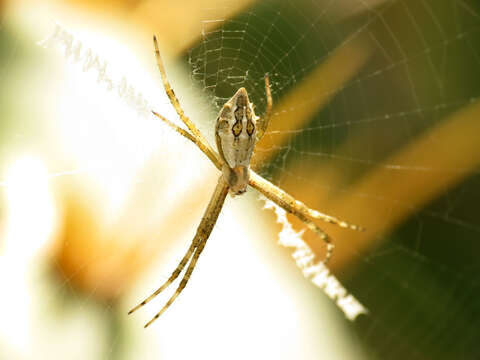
(263, 122)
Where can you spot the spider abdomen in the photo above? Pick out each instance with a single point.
(235, 134)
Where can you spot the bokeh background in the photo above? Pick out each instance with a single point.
(376, 119)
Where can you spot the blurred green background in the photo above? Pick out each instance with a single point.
(376, 120)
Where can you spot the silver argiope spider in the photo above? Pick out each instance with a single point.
(237, 130)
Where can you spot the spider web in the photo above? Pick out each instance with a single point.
(401, 69)
(420, 279)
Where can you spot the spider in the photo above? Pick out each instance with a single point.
(237, 131)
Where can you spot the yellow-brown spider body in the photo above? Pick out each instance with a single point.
(235, 134)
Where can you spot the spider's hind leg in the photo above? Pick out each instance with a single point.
(203, 233)
(172, 277)
(183, 283)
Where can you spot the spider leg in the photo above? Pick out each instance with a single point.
(332, 220)
(176, 104)
(172, 277)
(183, 283)
(178, 129)
(204, 230)
(322, 234)
(212, 155)
(293, 206)
(263, 122)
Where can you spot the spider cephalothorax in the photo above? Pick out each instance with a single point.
(235, 134)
